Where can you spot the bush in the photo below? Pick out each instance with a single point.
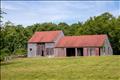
(4, 53)
(20, 52)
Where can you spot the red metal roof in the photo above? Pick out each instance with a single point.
(44, 36)
(82, 41)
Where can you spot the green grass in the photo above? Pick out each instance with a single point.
(75, 68)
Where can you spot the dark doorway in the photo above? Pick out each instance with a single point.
(42, 53)
(80, 51)
(70, 51)
(99, 51)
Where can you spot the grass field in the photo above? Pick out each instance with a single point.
(74, 68)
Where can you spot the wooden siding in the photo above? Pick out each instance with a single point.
(32, 48)
(91, 51)
(106, 48)
(60, 52)
(41, 49)
(85, 51)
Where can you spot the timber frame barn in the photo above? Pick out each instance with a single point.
(55, 44)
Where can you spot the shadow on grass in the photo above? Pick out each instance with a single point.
(6, 63)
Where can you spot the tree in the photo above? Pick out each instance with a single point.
(14, 37)
(1, 12)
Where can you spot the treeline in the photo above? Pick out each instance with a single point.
(14, 37)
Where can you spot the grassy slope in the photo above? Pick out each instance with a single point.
(80, 68)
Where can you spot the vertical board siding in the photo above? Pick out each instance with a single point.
(85, 51)
(60, 52)
(97, 51)
(49, 45)
(32, 52)
(40, 50)
(50, 49)
(91, 51)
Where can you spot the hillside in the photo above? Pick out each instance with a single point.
(79, 68)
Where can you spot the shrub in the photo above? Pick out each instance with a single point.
(20, 52)
(4, 53)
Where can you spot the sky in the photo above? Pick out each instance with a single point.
(31, 12)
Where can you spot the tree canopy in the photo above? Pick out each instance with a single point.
(14, 37)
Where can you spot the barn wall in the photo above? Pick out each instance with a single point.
(97, 51)
(60, 52)
(49, 49)
(106, 49)
(85, 52)
(49, 45)
(32, 46)
(91, 51)
(102, 51)
(52, 45)
(40, 49)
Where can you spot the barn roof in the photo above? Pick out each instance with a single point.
(44, 36)
(82, 41)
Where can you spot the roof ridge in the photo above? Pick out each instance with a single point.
(49, 31)
(88, 35)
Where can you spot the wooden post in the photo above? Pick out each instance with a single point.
(76, 52)
(65, 52)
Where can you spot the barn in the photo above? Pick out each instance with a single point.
(85, 45)
(43, 43)
(55, 44)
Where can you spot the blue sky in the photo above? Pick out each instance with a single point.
(30, 12)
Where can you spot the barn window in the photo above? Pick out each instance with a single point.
(30, 49)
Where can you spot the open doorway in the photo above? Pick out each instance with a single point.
(80, 51)
(70, 51)
(99, 51)
(42, 53)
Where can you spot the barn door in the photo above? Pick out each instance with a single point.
(41, 49)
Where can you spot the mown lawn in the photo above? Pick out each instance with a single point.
(75, 68)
